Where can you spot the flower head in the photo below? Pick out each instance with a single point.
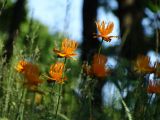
(142, 65)
(153, 87)
(56, 72)
(105, 30)
(98, 66)
(30, 72)
(67, 48)
(21, 65)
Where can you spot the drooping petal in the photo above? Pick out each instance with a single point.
(109, 28)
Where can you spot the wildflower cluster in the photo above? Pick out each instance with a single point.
(43, 77)
(142, 66)
(68, 48)
(97, 68)
(57, 70)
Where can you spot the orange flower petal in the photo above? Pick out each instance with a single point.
(30, 72)
(105, 30)
(67, 48)
(142, 65)
(56, 72)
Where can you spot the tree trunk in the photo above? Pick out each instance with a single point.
(16, 20)
(130, 14)
(89, 44)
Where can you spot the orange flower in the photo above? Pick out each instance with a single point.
(98, 66)
(67, 48)
(142, 65)
(30, 72)
(56, 72)
(105, 30)
(20, 66)
(153, 87)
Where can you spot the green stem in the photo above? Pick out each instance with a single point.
(127, 109)
(65, 61)
(59, 97)
(129, 115)
(99, 50)
(20, 113)
(60, 89)
(7, 97)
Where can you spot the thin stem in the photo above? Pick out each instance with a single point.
(65, 61)
(60, 89)
(99, 50)
(129, 115)
(128, 112)
(59, 97)
(20, 113)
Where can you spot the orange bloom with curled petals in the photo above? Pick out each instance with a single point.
(105, 30)
(56, 72)
(67, 48)
(98, 66)
(153, 87)
(142, 65)
(30, 72)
